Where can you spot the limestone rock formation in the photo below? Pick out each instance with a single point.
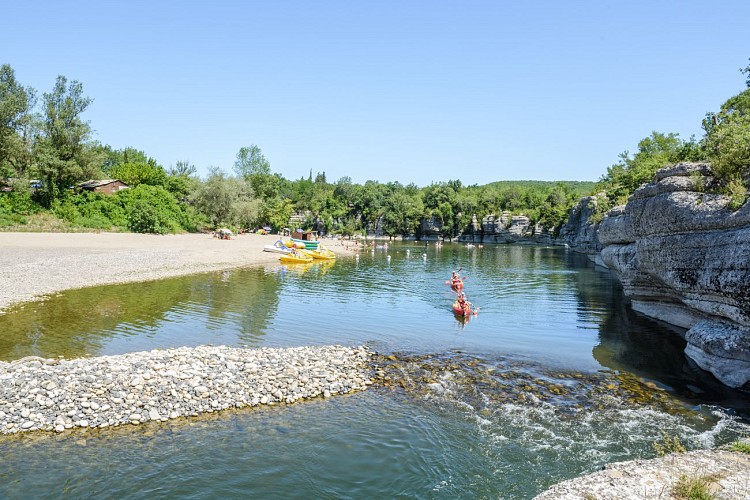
(725, 472)
(683, 257)
(506, 228)
(580, 232)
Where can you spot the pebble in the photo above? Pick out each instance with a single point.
(99, 392)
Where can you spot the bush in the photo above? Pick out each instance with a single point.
(144, 218)
(695, 488)
(741, 447)
(65, 210)
(153, 209)
(99, 207)
(668, 445)
(7, 220)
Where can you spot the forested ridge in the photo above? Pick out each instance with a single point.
(47, 149)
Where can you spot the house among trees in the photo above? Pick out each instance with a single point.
(106, 186)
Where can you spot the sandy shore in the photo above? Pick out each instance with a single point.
(33, 265)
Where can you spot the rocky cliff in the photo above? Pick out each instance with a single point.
(506, 228)
(580, 232)
(683, 257)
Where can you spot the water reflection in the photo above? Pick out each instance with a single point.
(157, 314)
(632, 343)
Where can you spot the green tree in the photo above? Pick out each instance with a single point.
(727, 143)
(246, 213)
(114, 157)
(402, 212)
(16, 104)
(181, 180)
(63, 155)
(276, 212)
(252, 166)
(216, 197)
(182, 168)
(135, 174)
(654, 152)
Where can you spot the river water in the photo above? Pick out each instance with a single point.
(554, 377)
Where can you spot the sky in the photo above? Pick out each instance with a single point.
(407, 91)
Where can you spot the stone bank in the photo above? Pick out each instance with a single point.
(55, 395)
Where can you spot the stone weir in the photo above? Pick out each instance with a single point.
(55, 395)
(683, 257)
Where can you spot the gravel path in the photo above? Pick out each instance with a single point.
(55, 395)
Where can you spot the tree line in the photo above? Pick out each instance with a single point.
(47, 148)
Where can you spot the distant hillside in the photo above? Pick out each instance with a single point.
(581, 188)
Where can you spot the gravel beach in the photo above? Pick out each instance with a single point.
(58, 394)
(33, 265)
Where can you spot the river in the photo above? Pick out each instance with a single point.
(554, 377)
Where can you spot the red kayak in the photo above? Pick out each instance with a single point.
(457, 285)
(459, 310)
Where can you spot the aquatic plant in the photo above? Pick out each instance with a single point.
(668, 444)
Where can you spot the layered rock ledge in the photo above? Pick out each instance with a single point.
(55, 395)
(683, 257)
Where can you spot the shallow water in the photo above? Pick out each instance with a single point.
(555, 377)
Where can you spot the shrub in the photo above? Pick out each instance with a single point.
(144, 218)
(65, 210)
(741, 447)
(7, 219)
(163, 215)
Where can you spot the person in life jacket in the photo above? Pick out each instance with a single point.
(463, 302)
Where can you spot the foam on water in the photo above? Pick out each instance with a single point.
(527, 414)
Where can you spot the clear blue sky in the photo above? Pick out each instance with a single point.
(408, 91)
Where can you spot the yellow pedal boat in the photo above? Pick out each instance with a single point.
(295, 259)
(319, 254)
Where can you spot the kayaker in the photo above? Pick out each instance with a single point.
(456, 280)
(462, 301)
